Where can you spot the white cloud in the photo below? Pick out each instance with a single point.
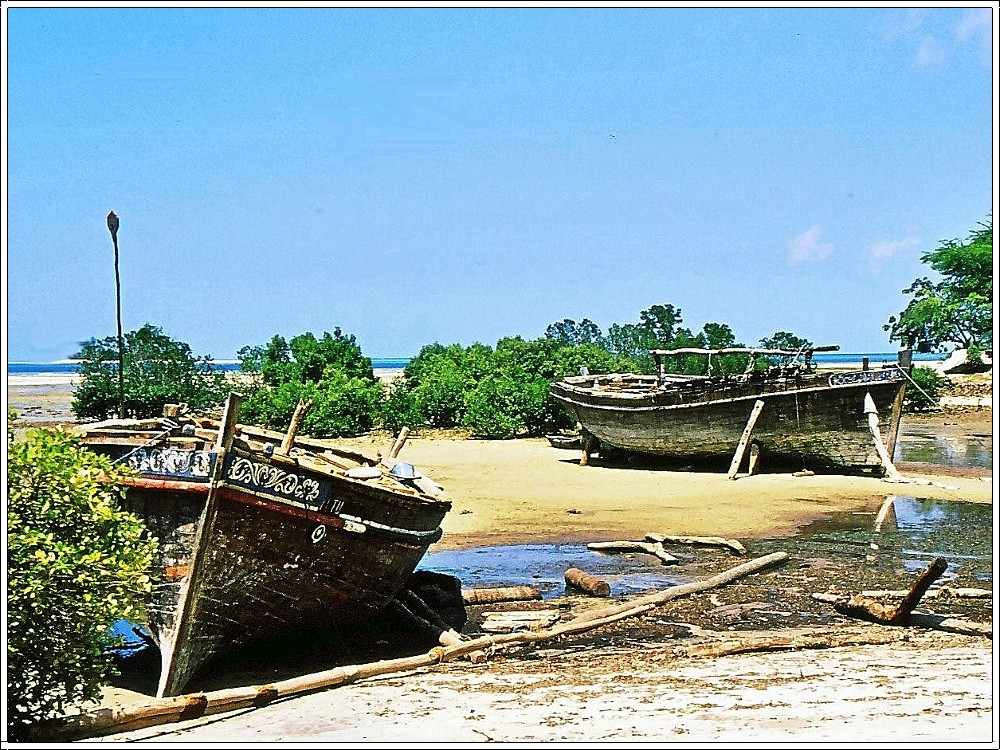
(976, 25)
(930, 52)
(937, 36)
(807, 247)
(904, 24)
(888, 248)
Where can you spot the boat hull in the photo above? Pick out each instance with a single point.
(817, 422)
(269, 549)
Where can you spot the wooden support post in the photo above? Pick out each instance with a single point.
(293, 428)
(754, 457)
(227, 428)
(883, 454)
(894, 418)
(747, 432)
(588, 444)
(397, 445)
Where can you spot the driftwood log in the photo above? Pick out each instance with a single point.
(945, 592)
(724, 644)
(510, 622)
(932, 622)
(585, 581)
(650, 548)
(500, 594)
(710, 541)
(867, 608)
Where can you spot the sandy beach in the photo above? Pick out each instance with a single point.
(939, 687)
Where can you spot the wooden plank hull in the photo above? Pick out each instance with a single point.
(269, 548)
(815, 421)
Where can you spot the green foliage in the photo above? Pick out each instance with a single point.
(785, 340)
(630, 343)
(569, 332)
(507, 405)
(497, 393)
(503, 392)
(781, 340)
(958, 309)
(927, 394)
(76, 563)
(661, 322)
(158, 371)
(330, 371)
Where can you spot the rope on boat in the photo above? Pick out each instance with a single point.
(926, 395)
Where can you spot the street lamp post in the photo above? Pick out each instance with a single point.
(113, 228)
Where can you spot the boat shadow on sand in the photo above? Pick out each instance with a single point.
(615, 458)
(409, 626)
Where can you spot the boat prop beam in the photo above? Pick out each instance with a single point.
(741, 447)
(873, 427)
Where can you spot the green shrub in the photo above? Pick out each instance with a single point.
(494, 408)
(76, 564)
(440, 393)
(926, 395)
(158, 371)
(330, 371)
(400, 409)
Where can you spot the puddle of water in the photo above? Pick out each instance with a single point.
(544, 567)
(960, 532)
(948, 450)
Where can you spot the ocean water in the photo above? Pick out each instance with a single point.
(71, 368)
(398, 363)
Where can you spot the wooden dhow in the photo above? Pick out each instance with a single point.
(790, 412)
(264, 534)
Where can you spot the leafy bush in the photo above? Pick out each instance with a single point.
(496, 407)
(926, 395)
(957, 309)
(400, 409)
(76, 563)
(435, 384)
(158, 371)
(330, 371)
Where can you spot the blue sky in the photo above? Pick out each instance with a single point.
(451, 174)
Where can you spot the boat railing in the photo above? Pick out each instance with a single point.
(799, 360)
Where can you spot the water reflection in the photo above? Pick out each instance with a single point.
(960, 532)
(948, 450)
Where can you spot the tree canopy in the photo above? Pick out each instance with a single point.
(331, 372)
(158, 370)
(958, 309)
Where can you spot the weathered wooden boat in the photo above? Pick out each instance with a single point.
(791, 412)
(262, 533)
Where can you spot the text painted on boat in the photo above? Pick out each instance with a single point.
(172, 462)
(263, 478)
(867, 376)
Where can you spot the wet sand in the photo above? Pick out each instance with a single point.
(525, 490)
